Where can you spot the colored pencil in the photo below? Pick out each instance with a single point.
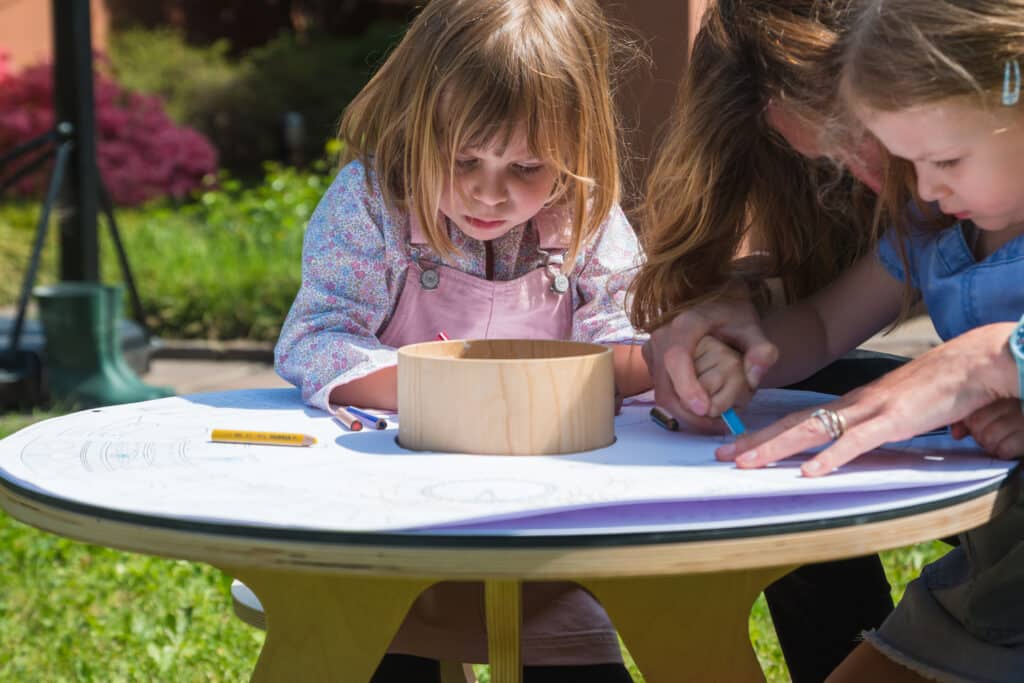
(368, 418)
(733, 422)
(269, 438)
(346, 418)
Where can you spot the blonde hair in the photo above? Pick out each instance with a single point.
(467, 73)
(723, 172)
(903, 53)
(900, 54)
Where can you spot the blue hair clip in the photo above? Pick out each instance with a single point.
(1011, 88)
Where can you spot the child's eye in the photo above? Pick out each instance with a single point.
(527, 169)
(946, 163)
(465, 164)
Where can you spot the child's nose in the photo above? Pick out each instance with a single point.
(931, 188)
(490, 190)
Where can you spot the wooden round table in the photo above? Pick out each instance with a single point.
(333, 598)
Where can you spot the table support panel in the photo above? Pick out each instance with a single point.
(692, 627)
(326, 627)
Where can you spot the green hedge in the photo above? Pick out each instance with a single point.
(240, 104)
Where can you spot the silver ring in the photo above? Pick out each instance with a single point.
(832, 420)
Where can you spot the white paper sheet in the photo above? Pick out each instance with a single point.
(154, 458)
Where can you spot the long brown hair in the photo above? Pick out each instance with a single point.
(466, 73)
(723, 172)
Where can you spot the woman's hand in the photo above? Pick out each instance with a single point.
(948, 383)
(998, 428)
(671, 350)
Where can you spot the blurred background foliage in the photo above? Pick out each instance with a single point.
(224, 266)
(264, 82)
(243, 105)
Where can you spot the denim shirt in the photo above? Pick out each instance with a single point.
(960, 292)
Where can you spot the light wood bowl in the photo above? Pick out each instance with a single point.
(506, 396)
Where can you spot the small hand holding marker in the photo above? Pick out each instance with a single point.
(663, 419)
(719, 370)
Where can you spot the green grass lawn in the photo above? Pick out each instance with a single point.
(76, 612)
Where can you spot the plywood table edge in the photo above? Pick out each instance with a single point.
(477, 561)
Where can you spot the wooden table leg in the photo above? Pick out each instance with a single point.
(692, 627)
(326, 627)
(504, 605)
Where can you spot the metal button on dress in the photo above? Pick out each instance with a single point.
(561, 284)
(429, 279)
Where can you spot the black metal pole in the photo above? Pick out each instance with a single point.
(73, 101)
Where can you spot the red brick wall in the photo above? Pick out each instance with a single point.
(26, 30)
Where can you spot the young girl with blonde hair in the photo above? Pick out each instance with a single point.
(479, 200)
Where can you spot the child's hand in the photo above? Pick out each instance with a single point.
(719, 370)
(998, 428)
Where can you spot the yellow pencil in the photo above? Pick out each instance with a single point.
(273, 438)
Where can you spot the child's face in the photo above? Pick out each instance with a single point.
(496, 189)
(969, 160)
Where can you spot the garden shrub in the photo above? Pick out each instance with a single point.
(160, 62)
(241, 105)
(142, 154)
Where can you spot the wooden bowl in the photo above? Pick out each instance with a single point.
(506, 396)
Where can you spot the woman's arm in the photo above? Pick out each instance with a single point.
(789, 345)
(811, 334)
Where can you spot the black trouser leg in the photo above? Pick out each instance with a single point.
(410, 669)
(820, 610)
(407, 669)
(590, 673)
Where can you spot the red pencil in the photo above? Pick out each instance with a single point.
(346, 418)
(441, 336)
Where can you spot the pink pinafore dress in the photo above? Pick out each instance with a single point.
(562, 623)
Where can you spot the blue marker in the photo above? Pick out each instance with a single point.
(733, 422)
(368, 419)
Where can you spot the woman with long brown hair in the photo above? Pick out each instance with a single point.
(757, 187)
(758, 192)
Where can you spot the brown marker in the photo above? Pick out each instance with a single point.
(663, 419)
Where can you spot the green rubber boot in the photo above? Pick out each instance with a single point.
(80, 347)
(115, 303)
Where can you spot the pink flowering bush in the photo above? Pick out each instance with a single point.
(142, 154)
